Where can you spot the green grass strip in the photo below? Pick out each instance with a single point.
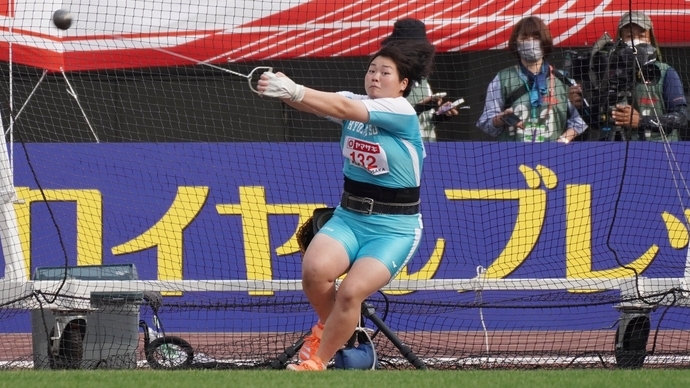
(331, 379)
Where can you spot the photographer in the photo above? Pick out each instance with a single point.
(528, 102)
(655, 107)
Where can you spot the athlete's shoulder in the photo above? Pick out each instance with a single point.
(353, 96)
(398, 105)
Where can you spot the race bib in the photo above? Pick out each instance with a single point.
(369, 156)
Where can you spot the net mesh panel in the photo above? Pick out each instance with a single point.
(133, 141)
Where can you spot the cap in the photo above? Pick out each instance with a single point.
(407, 29)
(638, 18)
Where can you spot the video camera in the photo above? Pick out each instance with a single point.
(609, 73)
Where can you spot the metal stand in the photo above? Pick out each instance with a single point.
(368, 312)
(616, 133)
(281, 361)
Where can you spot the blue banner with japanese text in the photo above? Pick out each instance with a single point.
(230, 210)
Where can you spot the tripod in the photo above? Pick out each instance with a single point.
(616, 133)
(368, 312)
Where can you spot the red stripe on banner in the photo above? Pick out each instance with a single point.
(254, 44)
(313, 45)
(141, 36)
(671, 28)
(31, 56)
(293, 46)
(489, 34)
(418, 9)
(354, 42)
(666, 30)
(621, 6)
(301, 14)
(394, 9)
(559, 27)
(353, 14)
(22, 33)
(472, 7)
(445, 10)
(588, 34)
(265, 46)
(514, 10)
(217, 47)
(554, 6)
(124, 36)
(447, 36)
(112, 59)
(521, 8)
(7, 8)
(338, 28)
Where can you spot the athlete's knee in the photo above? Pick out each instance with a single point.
(350, 296)
(323, 267)
(311, 283)
(319, 273)
(317, 270)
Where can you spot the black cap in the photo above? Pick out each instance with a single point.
(407, 29)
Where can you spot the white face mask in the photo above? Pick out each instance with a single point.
(530, 50)
(634, 42)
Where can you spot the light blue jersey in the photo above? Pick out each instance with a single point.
(387, 151)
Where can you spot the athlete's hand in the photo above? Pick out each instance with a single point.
(279, 85)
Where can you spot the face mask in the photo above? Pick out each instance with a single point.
(634, 42)
(530, 50)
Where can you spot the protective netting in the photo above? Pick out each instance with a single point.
(140, 159)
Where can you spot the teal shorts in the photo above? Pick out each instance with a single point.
(391, 239)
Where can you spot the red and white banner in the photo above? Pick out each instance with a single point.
(137, 33)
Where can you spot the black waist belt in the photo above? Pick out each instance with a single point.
(368, 206)
(380, 193)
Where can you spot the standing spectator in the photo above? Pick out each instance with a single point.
(527, 102)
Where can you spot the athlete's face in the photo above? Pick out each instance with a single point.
(383, 80)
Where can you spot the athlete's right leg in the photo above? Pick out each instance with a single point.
(325, 260)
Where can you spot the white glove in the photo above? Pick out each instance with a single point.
(283, 87)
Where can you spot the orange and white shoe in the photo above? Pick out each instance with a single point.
(314, 364)
(311, 343)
